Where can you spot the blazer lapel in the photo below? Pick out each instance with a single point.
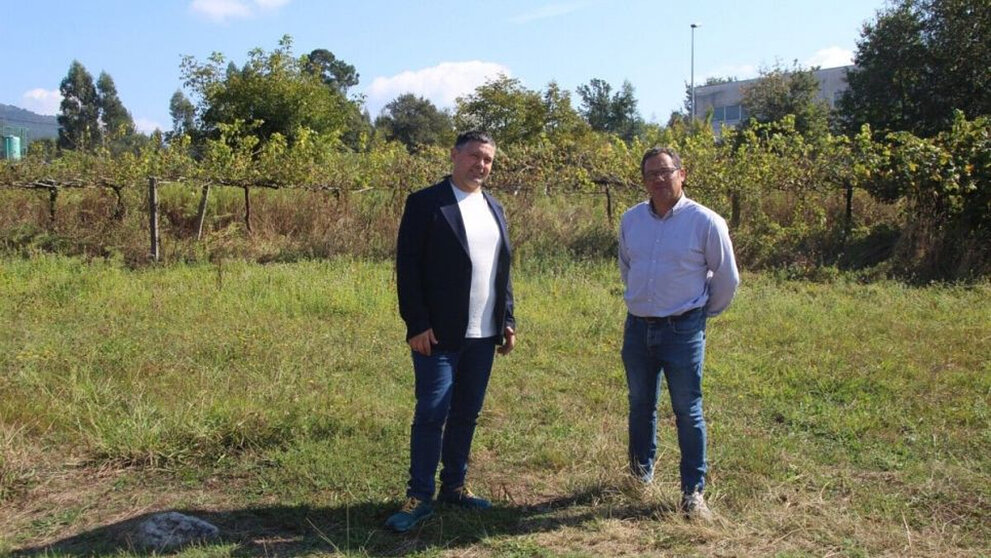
(452, 213)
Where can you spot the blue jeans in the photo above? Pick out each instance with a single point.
(450, 389)
(676, 347)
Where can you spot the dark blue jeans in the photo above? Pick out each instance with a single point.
(450, 390)
(675, 347)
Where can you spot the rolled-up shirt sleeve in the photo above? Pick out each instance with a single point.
(725, 277)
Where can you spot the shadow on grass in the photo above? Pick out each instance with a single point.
(359, 528)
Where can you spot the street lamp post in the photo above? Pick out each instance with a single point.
(694, 26)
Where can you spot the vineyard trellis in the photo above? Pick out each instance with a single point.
(771, 183)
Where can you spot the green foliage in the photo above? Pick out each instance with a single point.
(332, 71)
(415, 121)
(792, 201)
(275, 92)
(93, 116)
(563, 121)
(780, 92)
(918, 62)
(504, 108)
(79, 112)
(605, 111)
(115, 120)
(183, 113)
(946, 183)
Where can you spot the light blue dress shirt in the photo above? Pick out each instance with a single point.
(677, 262)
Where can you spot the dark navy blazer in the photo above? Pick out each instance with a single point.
(433, 267)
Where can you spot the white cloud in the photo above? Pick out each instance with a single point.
(441, 84)
(42, 101)
(271, 4)
(545, 12)
(147, 126)
(830, 58)
(222, 10)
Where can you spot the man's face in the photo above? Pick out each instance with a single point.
(662, 180)
(472, 164)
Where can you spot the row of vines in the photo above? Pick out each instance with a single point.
(915, 207)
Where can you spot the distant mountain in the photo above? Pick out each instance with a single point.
(15, 121)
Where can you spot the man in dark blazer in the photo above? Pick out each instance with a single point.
(455, 295)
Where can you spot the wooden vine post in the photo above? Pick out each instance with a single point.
(52, 198)
(848, 218)
(201, 213)
(153, 216)
(609, 212)
(247, 209)
(119, 207)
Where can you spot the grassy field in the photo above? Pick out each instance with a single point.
(274, 401)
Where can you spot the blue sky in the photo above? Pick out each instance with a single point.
(439, 49)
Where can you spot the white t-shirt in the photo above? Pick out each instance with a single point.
(484, 238)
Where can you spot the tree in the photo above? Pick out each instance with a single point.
(273, 92)
(116, 121)
(79, 112)
(183, 114)
(596, 105)
(606, 111)
(627, 123)
(916, 63)
(780, 92)
(415, 122)
(332, 71)
(561, 118)
(504, 108)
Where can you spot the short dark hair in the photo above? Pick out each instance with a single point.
(465, 138)
(657, 150)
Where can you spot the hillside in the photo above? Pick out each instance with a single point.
(36, 126)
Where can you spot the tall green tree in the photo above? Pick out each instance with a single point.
(115, 120)
(333, 71)
(183, 113)
(274, 92)
(504, 108)
(562, 120)
(415, 122)
(606, 111)
(79, 112)
(917, 62)
(780, 92)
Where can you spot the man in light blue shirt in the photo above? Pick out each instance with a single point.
(676, 260)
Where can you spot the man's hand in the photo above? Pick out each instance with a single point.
(509, 343)
(423, 342)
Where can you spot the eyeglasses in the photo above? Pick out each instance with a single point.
(660, 173)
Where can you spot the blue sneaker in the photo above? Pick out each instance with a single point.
(412, 512)
(463, 497)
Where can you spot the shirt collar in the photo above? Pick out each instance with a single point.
(678, 205)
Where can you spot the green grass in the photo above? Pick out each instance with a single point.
(275, 400)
